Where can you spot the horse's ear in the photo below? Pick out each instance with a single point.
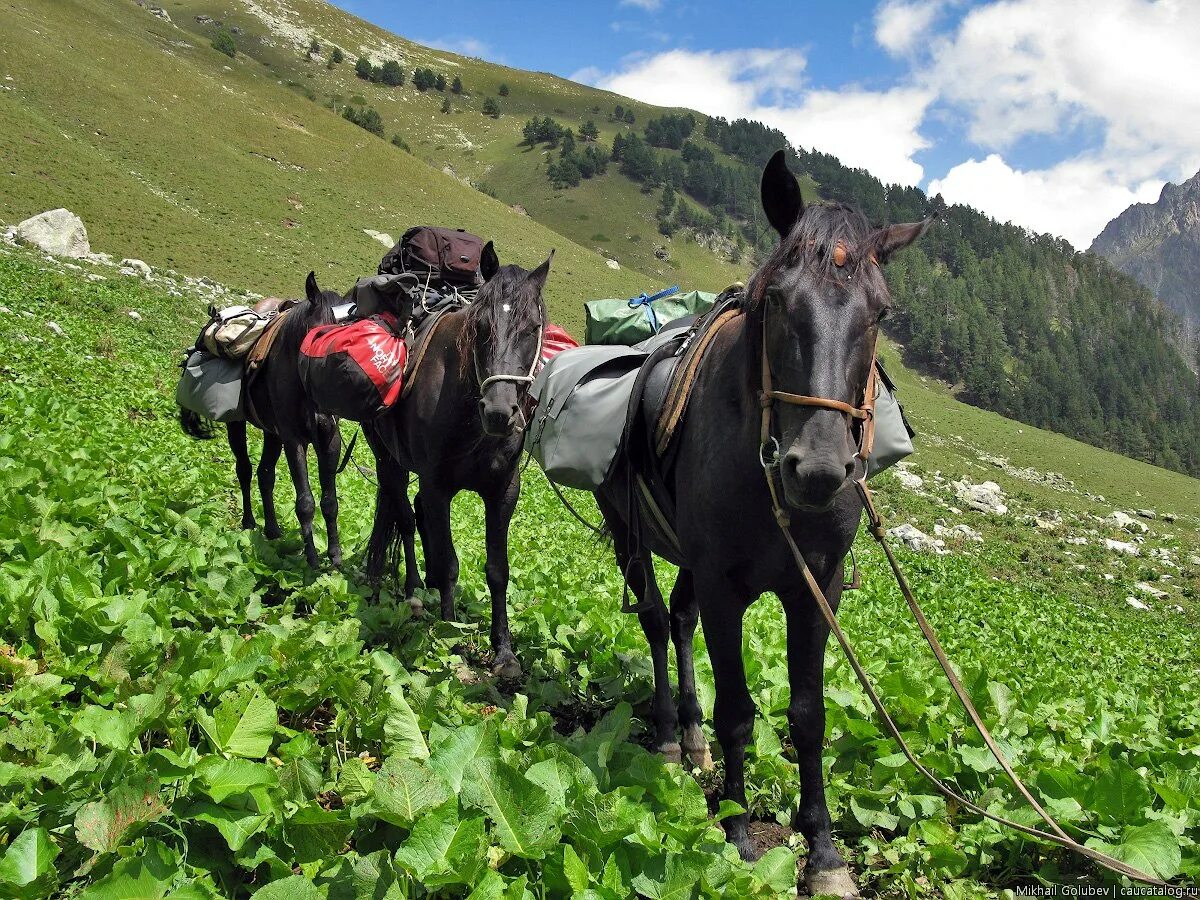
(780, 191)
(489, 262)
(897, 237)
(310, 287)
(539, 275)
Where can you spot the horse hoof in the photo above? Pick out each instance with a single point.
(249, 524)
(836, 882)
(671, 752)
(415, 604)
(272, 534)
(506, 666)
(697, 749)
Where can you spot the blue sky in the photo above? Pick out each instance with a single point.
(1055, 114)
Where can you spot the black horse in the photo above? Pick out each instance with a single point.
(290, 423)
(812, 314)
(461, 428)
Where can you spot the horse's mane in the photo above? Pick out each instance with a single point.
(810, 243)
(511, 286)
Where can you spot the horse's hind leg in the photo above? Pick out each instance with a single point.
(656, 625)
(498, 513)
(441, 562)
(684, 613)
(394, 520)
(235, 432)
(329, 445)
(297, 458)
(267, 462)
(825, 871)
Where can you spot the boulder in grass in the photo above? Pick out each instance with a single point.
(986, 497)
(916, 540)
(58, 232)
(140, 267)
(1122, 547)
(1136, 603)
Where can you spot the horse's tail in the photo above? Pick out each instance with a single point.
(195, 425)
(394, 521)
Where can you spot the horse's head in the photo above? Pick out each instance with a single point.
(818, 301)
(319, 309)
(502, 340)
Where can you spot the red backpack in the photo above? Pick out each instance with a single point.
(355, 370)
(554, 341)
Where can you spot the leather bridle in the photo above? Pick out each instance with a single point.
(525, 380)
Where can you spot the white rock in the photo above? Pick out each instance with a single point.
(1151, 590)
(57, 231)
(1136, 603)
(142, 268)
(1127, 523)
(129, 272)
(910, 480)
(1146, 513)
(1076, 541)
(382, 236)
(986, 497)
(916, 540)
(1109, 576)
(1194, 560)
(1122, 547)
(4, 310)
(612, 264)
(958, 532)
(135, 315)
(100, 259)
(9, 235)
(92, 276)
(56, 328)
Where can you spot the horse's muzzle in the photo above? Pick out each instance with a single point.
(812, 485)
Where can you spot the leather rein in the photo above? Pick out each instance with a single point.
(769, 459)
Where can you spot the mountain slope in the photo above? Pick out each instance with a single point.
(173, 153)
(1159, 245)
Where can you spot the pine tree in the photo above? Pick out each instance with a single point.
(491, 108)
(457, 86)
(391, 74)
(337, 56)
(445, 104)
(363, 68)
(223, 42)
(440, 82)
(588, 131)
(503, 92)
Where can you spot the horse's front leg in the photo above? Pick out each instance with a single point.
(498, 512)
(825, 872)
(441, 562)
(329, 445)
(722, 607)
(235, 433)
(684, 614)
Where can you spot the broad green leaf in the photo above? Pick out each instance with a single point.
(235, 825)
(226, 777)
(104, 824)
(146, 876)
(456, 749)
(519, 808)
(575, 869)
(295, 887)
(110, 727)
(1153, 848)
(405, 789)
(401, 730)
(252, 735)
(315, 833)
(679, 881)
(777, 869)
(28, 858)
(490, 887)
(443, 845)
(1119, 793)
(355, 780)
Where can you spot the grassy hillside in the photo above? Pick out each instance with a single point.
(173, 153)
(188, 711)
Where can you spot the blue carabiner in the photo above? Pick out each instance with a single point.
(647, 302)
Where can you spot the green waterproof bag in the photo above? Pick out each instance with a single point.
(628, 322)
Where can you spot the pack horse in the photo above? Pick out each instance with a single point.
(781, 391)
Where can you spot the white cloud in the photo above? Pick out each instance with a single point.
(647, 5)
(1074, 199)
(876, 130)
(900, 24)
(1112, 80)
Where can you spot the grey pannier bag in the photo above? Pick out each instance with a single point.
(582, 396)
(893, 434)
(211, 386)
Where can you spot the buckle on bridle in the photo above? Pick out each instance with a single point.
(770, 445)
